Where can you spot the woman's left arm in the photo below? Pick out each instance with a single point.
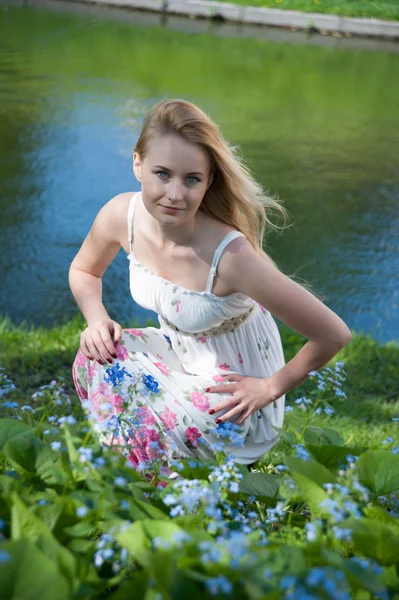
(246, 271)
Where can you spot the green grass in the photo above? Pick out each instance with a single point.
(378, 9)
(32, 357)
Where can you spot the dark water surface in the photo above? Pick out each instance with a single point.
(318, 125)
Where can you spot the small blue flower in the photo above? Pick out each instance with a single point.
(4, 556)
(82, 511)
(10, 404)
(55, 445)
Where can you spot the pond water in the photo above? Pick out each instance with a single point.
(317, 124)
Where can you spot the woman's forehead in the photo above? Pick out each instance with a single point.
(175, 153)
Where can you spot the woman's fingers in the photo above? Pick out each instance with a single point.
(117, 333)
(85, 350)
(228, 415)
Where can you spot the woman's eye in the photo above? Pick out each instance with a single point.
(161, 173)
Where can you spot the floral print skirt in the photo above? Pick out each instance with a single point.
(147, 405)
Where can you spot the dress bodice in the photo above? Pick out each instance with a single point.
(188, 310)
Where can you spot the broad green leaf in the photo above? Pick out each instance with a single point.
(10, 429)
(143, 510)
(137, 538)
(23, 450)
(260, 485)
(379, 514)
(25, 524)
(373, 539)
(201, 469)
(134, 588)
(8, 484)
(285, 435)
(310, 469)
(321, 437)
(378, 470)
(82, 529)
(30, 574)
(312, 493)
(358, 576)
(331, 456)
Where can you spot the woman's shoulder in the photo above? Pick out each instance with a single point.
(113, 215)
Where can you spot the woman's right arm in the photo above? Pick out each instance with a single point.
(106, 236)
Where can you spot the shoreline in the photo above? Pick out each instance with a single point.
(264, 17)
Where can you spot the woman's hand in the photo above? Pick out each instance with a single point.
(249, 394)
(99, 339)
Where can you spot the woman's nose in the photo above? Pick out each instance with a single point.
(176, 190)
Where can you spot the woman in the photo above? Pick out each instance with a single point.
(197, 228)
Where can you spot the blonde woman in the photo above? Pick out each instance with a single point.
(193, 237)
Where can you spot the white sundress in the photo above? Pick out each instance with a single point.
(159, 378)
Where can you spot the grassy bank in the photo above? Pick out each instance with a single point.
(318, 518)
(378, 9)
(32, 357)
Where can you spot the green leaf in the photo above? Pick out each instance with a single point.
(285, 435)
(378, 470)
(200, 470)
(373, 539)
(321, 437)
(82, 529)
(137, 538)
(331, 456)
(143, 510)
(23, 450)
(260, 485)
(310, 469)
(312, 493)
(358, 576)
(30, 574)
(10, 429)
(379, 514)
(25, 524)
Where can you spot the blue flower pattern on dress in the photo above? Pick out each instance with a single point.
(115, 375)
(151, 383)
(167, 338)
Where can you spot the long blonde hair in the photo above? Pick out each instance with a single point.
(234, 196)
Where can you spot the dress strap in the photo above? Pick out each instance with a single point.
(218, 253)
(130, 215)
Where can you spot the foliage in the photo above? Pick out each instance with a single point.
(379, 9)
(317, 517)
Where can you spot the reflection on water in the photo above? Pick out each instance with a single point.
(318, 126)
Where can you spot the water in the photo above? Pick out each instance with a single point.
(318, 125)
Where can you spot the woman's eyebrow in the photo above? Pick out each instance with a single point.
(170, 170)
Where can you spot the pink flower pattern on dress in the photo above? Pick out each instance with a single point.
(81, 360)
(178, 302)
(145, 416)
(224, 367)
(193, 434)
(121, 352)
(100, 400)
(162, 367)
(146, 446)
(240, 358)
(136, 332)
(218, 378)
(168, 418)
(117, 402)
(200, 401)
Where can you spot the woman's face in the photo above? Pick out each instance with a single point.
(175, 175)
